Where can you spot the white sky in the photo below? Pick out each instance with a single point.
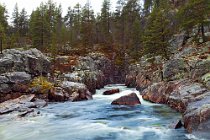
(30, 5)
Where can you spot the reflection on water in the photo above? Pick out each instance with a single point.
(96, 120)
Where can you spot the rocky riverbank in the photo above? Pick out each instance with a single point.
(29, 73)
(182, 82)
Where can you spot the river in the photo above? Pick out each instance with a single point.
(96, 119)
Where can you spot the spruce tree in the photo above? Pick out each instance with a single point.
(157, 32)
(87, 27)
(104, 23)
(194, 12)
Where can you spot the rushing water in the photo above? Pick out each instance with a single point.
(96, 119)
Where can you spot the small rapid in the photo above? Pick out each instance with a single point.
(96, 119)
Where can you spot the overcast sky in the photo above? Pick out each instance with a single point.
(30, 5)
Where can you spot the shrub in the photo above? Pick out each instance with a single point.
(41, 84)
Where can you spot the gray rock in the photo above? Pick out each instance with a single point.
(185, 52)
(175, 69)
(5, 88)
(176, 42)
(76, 91)
(201, 67)
(18, 77)
(3, 79)
(22, 103)
(31, 61)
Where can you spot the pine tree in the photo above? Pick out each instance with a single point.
(3, 26)
(2, 35)
(147, 6)
(158, 32)
(104, 23)
(40, 28)
(16, 18)
(136, 37)
(87, 26)
(23, 22)
(194, 12)
(3, 17)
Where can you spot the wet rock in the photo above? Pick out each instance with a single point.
(176, 124)
(131, 99)
(39, 103)
(23, 114)
(156, 93)
(22, 103)
(111, 91)
(76, 91)
(92, 79)
(191, 99)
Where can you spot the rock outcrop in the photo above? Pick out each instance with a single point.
(145, 73)
(94, 70)
(22, 105)
(192, 99)
(17, 68)
(182, 82)
(31, 61)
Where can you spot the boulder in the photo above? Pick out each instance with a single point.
(31, 61)
(176, 42)
(111, 91)
(76, 91)
(131, 100)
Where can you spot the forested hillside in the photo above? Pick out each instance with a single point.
(126, 61)
(134, 28)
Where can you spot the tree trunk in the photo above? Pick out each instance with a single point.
(202, 32)
(1, 48)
